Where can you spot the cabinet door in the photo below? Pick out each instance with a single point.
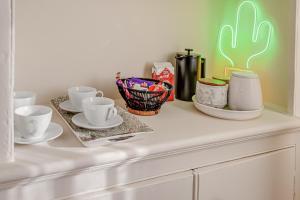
(264, 177)
(172, 187)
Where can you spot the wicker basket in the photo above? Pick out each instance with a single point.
(144, 102)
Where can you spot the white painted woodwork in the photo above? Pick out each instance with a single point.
(63, 168)
(136, 170)
(295, 98)
(156, 188)
(66, 153)
(297, 178)
(264, 177)
(173, 187)
(6, 81)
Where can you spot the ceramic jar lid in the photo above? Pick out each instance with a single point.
(248, 75)
(212, 82)
(224, 78)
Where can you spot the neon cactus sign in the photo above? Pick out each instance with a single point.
(235, 35)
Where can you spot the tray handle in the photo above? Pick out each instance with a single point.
(122, 138)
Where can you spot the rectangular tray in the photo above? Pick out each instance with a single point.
(90, 138)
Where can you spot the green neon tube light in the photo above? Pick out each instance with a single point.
(235, 34)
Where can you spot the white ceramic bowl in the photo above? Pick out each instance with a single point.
(31, 122)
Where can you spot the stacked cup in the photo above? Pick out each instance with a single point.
(96, 108)
(31, 121)
(78, 94)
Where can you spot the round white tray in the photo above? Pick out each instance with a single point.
(226, 113)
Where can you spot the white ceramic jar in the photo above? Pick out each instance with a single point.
(245, 92)
(212, 92)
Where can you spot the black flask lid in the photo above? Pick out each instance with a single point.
(187, 54)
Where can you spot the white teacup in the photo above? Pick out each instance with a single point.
(98, 110)
(24, 98)
(31, 122)
(78, 94)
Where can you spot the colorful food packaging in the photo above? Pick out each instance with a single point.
(164, 71)
(135, 83)
(141, 84)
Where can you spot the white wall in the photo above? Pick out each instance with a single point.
(61, 43)
(276, 66)
(6, 82)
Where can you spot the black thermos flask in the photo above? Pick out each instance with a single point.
(189, 68)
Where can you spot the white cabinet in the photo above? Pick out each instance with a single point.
(263, 177)
(173, 187)
(256, 169)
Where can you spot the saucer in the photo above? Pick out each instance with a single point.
(81, 121)
(227, 113)
(54, 131)
(67, 106)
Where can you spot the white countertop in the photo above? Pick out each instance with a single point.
(178, 127)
